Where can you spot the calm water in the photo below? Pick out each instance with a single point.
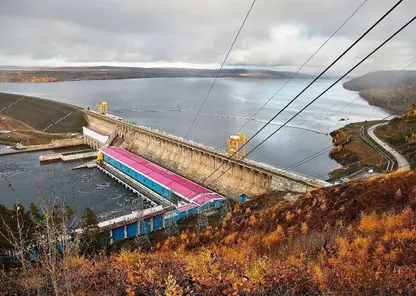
(169, 104)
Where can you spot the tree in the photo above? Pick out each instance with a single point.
(90, 219)
(90, 242)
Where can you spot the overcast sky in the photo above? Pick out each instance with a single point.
(279, 34)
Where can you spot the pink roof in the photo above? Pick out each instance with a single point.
(178, 184)
(187, 207)
(203, 199)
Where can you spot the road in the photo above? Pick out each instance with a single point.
(401, 161)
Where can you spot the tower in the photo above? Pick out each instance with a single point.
(142, 239)
(234, 142)
(102, 108)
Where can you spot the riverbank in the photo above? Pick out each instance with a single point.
(357, 154)
(392, 90)
(42, 75)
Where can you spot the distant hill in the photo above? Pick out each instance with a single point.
(393, 90)
(15, 74)
(381, 79)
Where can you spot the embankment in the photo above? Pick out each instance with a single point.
(41, 113)
(354, 153)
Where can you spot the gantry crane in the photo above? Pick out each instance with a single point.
(102, 108)
(234, 142)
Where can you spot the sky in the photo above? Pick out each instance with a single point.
(278, 34)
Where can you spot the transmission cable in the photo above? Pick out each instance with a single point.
(366, 157)
(310, 103)
(331, 146)
(303, 65)
(322, 73)
(219, 71)
(349, 103)
(397, 113)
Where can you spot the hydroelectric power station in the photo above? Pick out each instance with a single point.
(174, 177)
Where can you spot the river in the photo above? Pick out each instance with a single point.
(170, 104)
(23, 179)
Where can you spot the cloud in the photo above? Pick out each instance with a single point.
(278, 34)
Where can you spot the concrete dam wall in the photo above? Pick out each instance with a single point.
(197, 162)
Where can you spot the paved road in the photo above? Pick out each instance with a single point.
(402, 162)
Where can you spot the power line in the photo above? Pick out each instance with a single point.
(367, 158)
(322, 73)
(357, 162)
(219, 71)
(304, 64)
(331, 146)
(348, 104)
(326, 149)
(333, 84)
(310, 103)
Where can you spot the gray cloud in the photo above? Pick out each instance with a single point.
(278, 34)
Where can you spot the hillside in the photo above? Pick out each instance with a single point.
(393, 90)
(40, 113)
(106, 73)
(395, 99)
(381, 79)
(401, 132)
(356, 238)
(354, 153)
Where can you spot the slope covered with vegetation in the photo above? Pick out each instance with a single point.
(401, 132)
(396, 99)
(356, 238)
(381, 79)
(393, 90)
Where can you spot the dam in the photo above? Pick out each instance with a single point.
(174, 177)
(196, 161)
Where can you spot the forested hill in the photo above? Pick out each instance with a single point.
(381, 79)
(393, 90)
(16, 74)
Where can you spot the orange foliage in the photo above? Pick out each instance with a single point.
(362, 244)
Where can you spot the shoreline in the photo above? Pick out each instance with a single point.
(35, 121)
(158, 77)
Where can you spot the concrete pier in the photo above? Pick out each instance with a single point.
(54, 145)
(77, 155)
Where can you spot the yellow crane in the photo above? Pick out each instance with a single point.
(100, 157)
(102, 108)
(234, 142)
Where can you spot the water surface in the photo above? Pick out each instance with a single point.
(170, 104)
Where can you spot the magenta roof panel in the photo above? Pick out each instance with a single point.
(184, 191)
(172, 181)
(203, 199)
(187, 207)
(126, 160)
(140, 168)
(111, 152)
(160, 178)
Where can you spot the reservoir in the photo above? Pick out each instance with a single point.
(170, 105)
